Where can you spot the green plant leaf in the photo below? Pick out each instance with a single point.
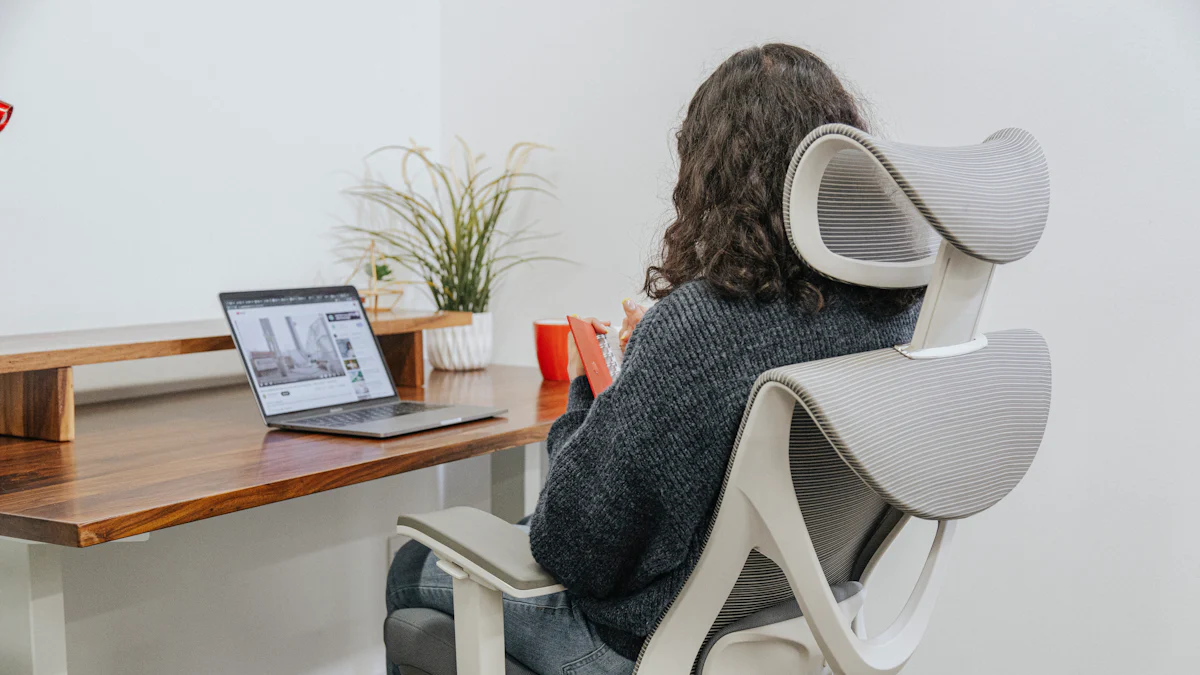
(449, 234)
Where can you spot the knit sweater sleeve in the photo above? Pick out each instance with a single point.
(630, 481)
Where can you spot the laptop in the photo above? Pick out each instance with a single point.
(314, 365)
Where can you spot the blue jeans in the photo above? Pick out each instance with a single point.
(547, 634)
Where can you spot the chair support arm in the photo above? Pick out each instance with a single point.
(490, 551)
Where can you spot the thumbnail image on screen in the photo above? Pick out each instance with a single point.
(292, 349)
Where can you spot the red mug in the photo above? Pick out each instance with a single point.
(551, 336)
(5, 114)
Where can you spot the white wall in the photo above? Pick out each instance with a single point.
(1091, 565)
(160, 153)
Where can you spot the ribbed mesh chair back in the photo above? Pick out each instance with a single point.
(877, 434)
(845, 518)
(938, 439)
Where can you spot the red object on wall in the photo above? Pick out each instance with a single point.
(5, 114)
(551, 338)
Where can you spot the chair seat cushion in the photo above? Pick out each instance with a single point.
(421, 642)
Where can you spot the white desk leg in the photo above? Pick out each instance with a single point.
(517, 477)
(535, 474)
(33, 637)
(33, 626)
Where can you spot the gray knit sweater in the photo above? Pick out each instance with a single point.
(634, 473)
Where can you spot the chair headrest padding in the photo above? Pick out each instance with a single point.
(872, 212)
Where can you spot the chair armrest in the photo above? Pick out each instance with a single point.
(484, 546)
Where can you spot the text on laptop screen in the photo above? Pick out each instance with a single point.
(308, 351)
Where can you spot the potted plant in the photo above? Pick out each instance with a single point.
(449, 235)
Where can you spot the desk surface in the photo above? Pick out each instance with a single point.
(146, 464)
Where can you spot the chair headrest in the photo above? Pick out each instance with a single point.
(873, 213)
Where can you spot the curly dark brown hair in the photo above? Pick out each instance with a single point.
(735, 144)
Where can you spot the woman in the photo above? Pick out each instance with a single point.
(635, 473)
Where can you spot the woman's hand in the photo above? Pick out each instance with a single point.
(575, 366)
(633, 314)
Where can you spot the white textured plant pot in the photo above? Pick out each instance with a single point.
(461, 347)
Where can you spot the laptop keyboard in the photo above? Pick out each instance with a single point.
(349, 419)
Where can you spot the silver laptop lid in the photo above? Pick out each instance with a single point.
(307, 351)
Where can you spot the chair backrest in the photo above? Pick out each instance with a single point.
(833, 456)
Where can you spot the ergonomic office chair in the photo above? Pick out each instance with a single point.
(835, 456)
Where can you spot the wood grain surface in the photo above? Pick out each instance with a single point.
(404, 354)
(38, 404)
(145, 464)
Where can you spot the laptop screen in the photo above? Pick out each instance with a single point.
(308, 348)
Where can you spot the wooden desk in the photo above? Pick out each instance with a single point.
(142, 465)
(146, 464)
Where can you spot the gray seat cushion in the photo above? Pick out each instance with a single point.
(789, 609)
(421, 642)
